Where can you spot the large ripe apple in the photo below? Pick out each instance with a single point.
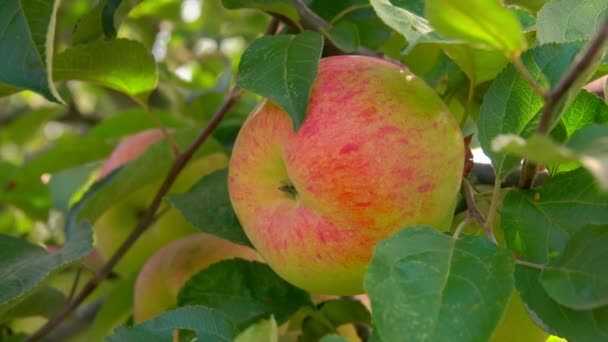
(164, 274)
(113, 227)
(378, 151)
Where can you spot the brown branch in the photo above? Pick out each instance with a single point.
(474, 212)
(146, 220)
(554, 100)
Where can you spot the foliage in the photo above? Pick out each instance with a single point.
(77, 76)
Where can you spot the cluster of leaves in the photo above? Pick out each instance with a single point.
(512, 74)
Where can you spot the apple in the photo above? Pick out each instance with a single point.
(516, 324)
(378, 151)
(164, 274)
(113, 227)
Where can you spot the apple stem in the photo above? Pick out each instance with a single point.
(289, 188)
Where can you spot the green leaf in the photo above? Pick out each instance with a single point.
(27, 36)
(370, 30)
(207, 207)
(332, 314)
(510, 106)
(150, 166)
(538, 225)
(23, 265)
(572, 325)
(266, 330)
(579, 279)
(283, 69)
(479, 65)
(420, 282)
(406, 20)
(588, 146)
(27, 125)
(245, 291)
(102, 21)
(134, 120)
(208, 324)
(65, 185)
(541, 149)
(566, 20)
(123, 65)
(281, 7)
(43, 301)
(586, 109)
(28, 192)
(345, 36)
(480, 22)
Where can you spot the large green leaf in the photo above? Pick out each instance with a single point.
(406, 18)
(579, 279)
(208, 324)
(567, 20)
(27, 37)
(23, 265)
(480, 22)
(588, 146)
(245, 291)
(510, 106)
(283, 68)
(420, 281)
(123, 65)
(207, 207)
(573, 325)
(538, 225)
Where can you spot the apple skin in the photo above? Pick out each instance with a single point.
(164, 274)
(113, 227)
(378, 151)
(516, 324)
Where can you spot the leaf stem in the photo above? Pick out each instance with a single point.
(523, 71)
(555, 99)
(146, 220)
(473, 211)
(461, 226)
(530, 264)
(494, 203)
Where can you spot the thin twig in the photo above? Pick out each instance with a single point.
(461, 227)
(494, 204)
(74, 284)
(554, 101)
(523, 71)
(530, 264)
(146, 220)
(166, 135)
(474, 212)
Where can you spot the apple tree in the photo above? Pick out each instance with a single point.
(303, 170)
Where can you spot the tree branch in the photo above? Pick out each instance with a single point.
(554, 101)
(474, 212)
(146, 220)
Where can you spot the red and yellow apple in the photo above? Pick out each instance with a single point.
(164, 274)
(378, 151)
(113, 227)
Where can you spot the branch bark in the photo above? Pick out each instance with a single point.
(554, 100)
(149, 216)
